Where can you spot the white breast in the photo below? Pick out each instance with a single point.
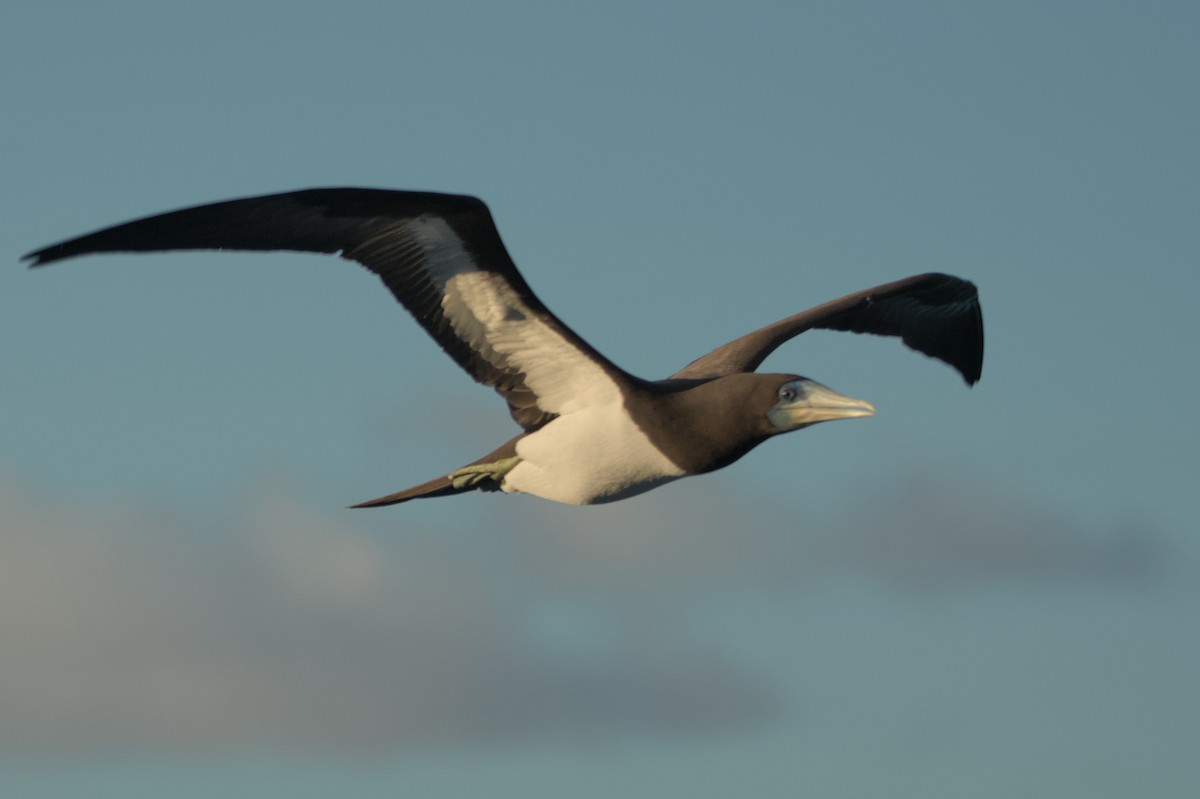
(593, 452)
(592, 456)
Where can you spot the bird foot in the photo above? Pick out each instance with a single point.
(480, 474)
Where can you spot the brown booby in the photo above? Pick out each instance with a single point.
(592, 432)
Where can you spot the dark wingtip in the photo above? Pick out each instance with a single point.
(37, 258)
(976, 367)
(976, 371)
(48, 255)
(973, 369)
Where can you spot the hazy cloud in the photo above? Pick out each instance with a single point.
(287, 626)
(921, 530)
(126, 629)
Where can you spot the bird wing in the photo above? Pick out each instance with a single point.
(439, 254)
(935, 314)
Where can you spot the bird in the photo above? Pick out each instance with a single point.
(591, 433)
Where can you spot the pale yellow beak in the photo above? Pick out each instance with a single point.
(816, 403)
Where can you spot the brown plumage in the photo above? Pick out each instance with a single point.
(441, 256)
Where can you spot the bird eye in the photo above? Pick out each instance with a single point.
(787, 393)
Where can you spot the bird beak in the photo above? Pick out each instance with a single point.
(817, 403)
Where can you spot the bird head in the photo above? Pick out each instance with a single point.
(800, 402)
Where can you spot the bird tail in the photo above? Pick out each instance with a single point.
(444, 486)
(437, 487)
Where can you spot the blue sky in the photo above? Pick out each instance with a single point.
(979, 593)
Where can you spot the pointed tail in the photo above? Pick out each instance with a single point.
(441, 486)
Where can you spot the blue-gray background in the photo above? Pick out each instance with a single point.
(986, 593)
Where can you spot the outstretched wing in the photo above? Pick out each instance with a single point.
(439, 254)
(935, 314)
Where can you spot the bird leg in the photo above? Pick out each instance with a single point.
(481, 473)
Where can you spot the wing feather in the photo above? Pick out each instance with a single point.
(439, 254)
(935, 314)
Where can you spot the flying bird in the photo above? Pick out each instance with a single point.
(591, 432)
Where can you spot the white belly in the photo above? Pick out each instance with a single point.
(591, 456)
